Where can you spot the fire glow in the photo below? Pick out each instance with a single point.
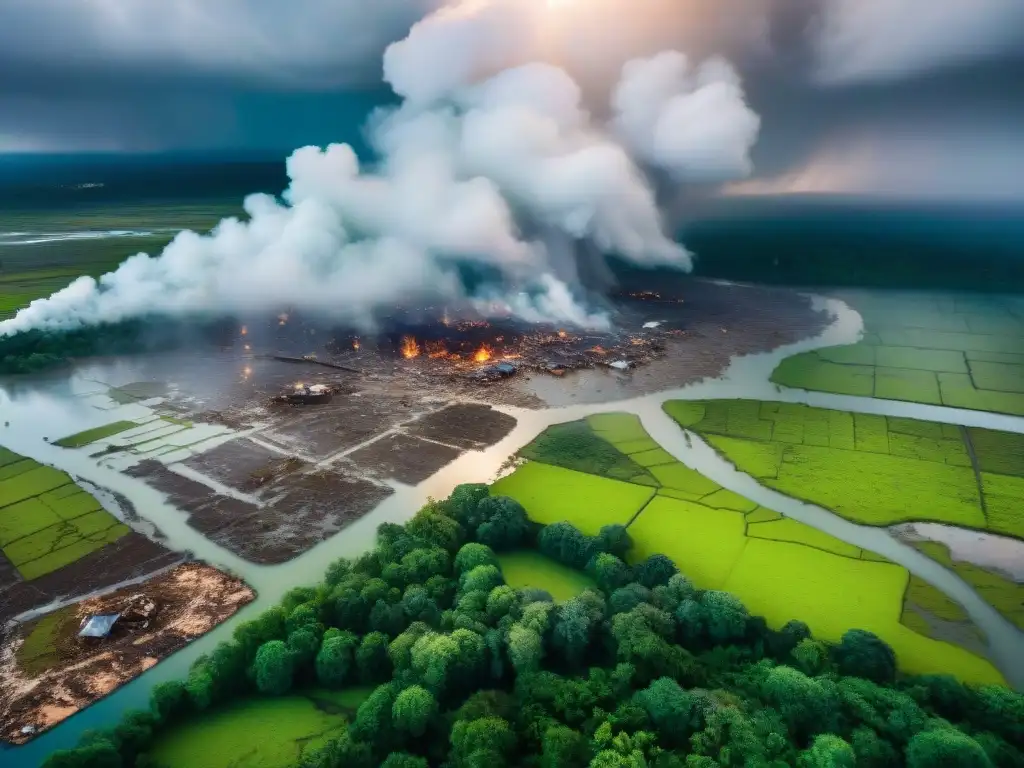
(483, 354)
(410, 347)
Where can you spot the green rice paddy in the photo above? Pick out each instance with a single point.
(932, 351)
(46, 521)
(257, 732)
(532, 569)
(722, 540)
(80, 439)
(875, 470)
(553, 494)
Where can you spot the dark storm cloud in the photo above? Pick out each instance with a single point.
(825, 75)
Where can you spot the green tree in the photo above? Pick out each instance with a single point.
(726, 616)
(413, 710)
(99, 754)
(945, 748)
(608, 571)
(473, 554)
(483, 578)
(810, 656)
(525, 648)
(482, 742)
(655, 571)
(564, 542)
(562, 747)
(628, 597)
(372, 659)
(373, 718)
(431, 525)
(463, 503)
(304, 644)
(615, 540)
(169, 700)
(505, 525)
(828, 751)
(404, 760)
(864, 654)
(274, 668)
(672, 710)
(335, 662)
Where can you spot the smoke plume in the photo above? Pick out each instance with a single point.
(491, 141)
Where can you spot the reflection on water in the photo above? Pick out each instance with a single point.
(57, 407)
(982, 549)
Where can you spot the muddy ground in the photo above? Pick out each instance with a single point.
(289, 514)
(47, 681)
(130, 557)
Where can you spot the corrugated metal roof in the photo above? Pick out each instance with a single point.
(99, 625)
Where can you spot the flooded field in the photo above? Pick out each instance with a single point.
(272, 494)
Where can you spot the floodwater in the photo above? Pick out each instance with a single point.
(63, 407)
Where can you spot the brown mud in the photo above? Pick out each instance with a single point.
(58, 673)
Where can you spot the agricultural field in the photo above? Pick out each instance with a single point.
(287, 727)
(999, 591)
(46, 521)
(721, 540)
(81, 439)
(43, 252)
(962, 354)
(529, 568)
(875, 470)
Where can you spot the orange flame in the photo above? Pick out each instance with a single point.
(245, 330)
(562, 334)
(355, 344)
(436, 349)
(410, 347)
(483, 354)
(599, 350)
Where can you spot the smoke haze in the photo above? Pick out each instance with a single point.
(491, 141)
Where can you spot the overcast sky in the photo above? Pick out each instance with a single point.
(895, 96)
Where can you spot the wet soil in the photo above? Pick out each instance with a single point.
(318, 431)
(404, 458)
(464, 426)
(291, 514)
(130, 557)
(71, 672)
(244, 465)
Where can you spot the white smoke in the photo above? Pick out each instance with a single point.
(693, 123)
(489, 142)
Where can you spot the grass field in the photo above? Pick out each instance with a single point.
(871, 469)
(532, 569)
(927, 351)
(1003, 594)
(46, 521)
(779, 567)
(553, 494)
(252, 733)
(80, 439)
(44, 260)
(576, 446)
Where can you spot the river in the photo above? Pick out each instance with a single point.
(63, 408)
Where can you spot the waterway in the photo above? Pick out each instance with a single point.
(30, 415)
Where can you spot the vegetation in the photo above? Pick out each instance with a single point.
(80, 439)
(724, 541)
(576, 446)
(1002, 593)
(647, 669)
(554, 494)
(528, 569)
(46, 521)
(962, 359)
(870, 469)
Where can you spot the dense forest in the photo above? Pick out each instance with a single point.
(646, 670)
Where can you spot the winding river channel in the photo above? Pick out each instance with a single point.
(50, 412)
